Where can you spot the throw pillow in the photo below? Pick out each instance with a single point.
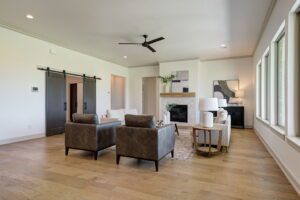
(222, 116)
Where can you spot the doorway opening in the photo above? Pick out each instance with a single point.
(74, 96)
(118, 92)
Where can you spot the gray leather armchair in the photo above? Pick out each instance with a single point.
(85, 133)
(140, 139)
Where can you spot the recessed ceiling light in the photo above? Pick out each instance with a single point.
(29, 16)
(125, 57)
(223, 46)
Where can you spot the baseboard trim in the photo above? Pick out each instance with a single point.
(22, 138)
(287, 173)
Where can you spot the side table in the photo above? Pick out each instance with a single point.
(210, 130)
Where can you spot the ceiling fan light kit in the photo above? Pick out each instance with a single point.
(145, 43)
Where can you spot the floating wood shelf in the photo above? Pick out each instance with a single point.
(178, 94)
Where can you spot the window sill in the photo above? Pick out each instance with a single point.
(294, 142)
(279, 131)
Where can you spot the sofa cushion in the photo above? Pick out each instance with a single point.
(85, 118)
(143, 121)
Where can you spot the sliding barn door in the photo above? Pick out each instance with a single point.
(55, 103)
(89, 96)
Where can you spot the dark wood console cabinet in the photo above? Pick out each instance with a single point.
(237, 116)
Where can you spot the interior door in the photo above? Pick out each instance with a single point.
(56, 105)
(89, 96)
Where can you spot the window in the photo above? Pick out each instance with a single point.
(266, 85)
(259, 90)
(280, 82)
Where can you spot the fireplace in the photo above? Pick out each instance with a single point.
(179, 113)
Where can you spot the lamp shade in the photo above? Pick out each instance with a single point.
(239, 93)
(208, 104)
(222, 103)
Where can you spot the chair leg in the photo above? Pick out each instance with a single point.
(96, 155)
(156, 165)
(172, 153)
(118, 159)
(66, 151)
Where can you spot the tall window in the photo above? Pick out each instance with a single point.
(280, 82)
(259, 89)
(266, 80)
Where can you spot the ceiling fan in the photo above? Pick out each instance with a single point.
(145, 43)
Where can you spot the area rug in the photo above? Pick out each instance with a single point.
(183, 145)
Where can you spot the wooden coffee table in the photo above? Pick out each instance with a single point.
(209, 150)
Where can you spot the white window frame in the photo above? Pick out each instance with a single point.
(265, 70)
(273, 79)
(258, 89)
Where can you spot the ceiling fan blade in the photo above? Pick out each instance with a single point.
(151, 49)
(156, 40)
(130, 43)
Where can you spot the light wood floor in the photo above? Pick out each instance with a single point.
(38, 169)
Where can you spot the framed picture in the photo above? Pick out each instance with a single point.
(181, 81)
(225, 89)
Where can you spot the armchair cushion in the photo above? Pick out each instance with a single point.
(143, 121)
(85, 118)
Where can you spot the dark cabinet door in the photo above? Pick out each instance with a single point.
(55, 103)
(89, 96)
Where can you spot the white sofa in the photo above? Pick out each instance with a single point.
(226, 134)
(120, 114)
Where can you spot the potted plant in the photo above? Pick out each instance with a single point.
(166, 80)
(167, 113)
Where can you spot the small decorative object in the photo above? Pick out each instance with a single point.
(166, 80)
(225, 89)
(160, 123)
(205, 106)
(167, 113)
(185, 89)
(234, 100)
(34, 89)
(240, 94)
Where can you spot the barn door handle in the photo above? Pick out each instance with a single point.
(65, 106)
(85, 105)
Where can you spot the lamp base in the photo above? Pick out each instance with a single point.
(207, 119)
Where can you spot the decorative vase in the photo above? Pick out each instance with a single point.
(167, 87)
(167, 117)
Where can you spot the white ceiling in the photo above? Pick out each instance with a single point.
(192, 28)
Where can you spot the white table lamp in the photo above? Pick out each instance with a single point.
(206, 105)
(222, 103)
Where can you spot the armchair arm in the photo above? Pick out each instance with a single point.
(166, 140)
(81, 136)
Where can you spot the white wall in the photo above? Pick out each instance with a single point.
(287, 157)
(239, 68)
(23, 112)
(136, 76)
